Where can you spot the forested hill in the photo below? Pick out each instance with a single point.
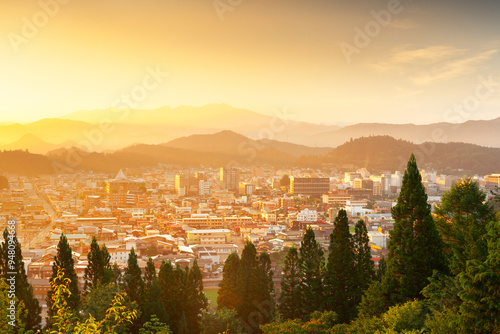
(387, 153)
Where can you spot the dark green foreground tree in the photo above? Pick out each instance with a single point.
(11, 261)
(415, 247)
(312, 266)
(64, 261)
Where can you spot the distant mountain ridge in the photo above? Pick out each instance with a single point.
(377, 153)
(128, 127)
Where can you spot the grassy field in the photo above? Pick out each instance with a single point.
(211, 295)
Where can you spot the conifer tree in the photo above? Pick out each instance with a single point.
(12, 262)
(228, 293)
(247, 285)
(415, 247)
(265, 290)
(150, 274)
(290, 300)
(64, 261)
(133, 284)
(153, 304)
(340, 279)
(98, 268)
(196, 300)
(365, 269)
(462, 217)
(311, 264)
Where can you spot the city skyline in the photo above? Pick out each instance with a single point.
(328, 63)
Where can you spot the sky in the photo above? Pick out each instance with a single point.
(325, 61)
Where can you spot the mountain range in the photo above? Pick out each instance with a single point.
(376, 153)
(113, 129)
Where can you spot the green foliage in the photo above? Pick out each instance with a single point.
(320, 322)
(373, 303)
(228, 292)
(154, 326)
(98, 268)
(133, 284)
(382, 267)
(291, 298)
(11, 260)
(66, 321)
(480, 309)
(409, 316)
(312, 268)
(64, 261)
(224, 320)
(365, 268)
(196, 300)
(415, 247)
(340, 279)
(461, 220)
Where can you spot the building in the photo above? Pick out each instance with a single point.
(492, 181)
(230, 178)
(118, 188)
(307, 215)
(313, 186)
(186, 185)
(209, 237)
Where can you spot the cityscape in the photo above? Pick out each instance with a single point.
(240, 167)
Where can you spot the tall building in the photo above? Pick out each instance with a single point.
(313, 186)
(118, 189)
(230, 178)
(186, 184)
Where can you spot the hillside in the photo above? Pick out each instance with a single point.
(32, 143)
(386, 153)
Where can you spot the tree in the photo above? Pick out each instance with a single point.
(365, 269)
(64, 261)
(196, 300)
(155, 326)
(227, 294)
(415, 247)
(222, 321)
(382, 267)
(311, 265)
(481, 282)
(11, 261)
(285, 181)
(340, 283)
(248, 286)
(265, 291)
(133, 284)
(462, 217)
(152, 305)
(290, 300)
(98, 268)
(320, 323)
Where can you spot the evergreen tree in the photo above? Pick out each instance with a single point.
(480, 309)
(311, 264)
(247, 285)
(340, 280)
(265, 290)
(382, 267)
(98, 268)
(149, 274)
(12, 262)
(117, 275)
(415, 247)
(64, 261)
(196, 300)
(291, 298)
(133, 284)
(365, 269)
(462, 217)
(173, 283)
(228, 293)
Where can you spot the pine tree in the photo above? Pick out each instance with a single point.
(290, 300)
(13, 263)
(228, 293)
(340, 280)
(64, 261)
(196, 300)
(133, 284)
(365, 269)
(311, 263)
(94, 271)
(153, 304)
(149, 274)
(265, 290)
(462, 217)
(247, 285)
(98, 268)
(415, 247)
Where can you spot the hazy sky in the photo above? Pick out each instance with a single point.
(309, 56)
